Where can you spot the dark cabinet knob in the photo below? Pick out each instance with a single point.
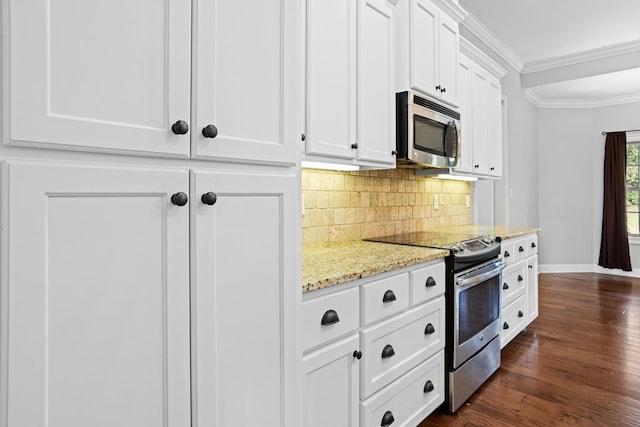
(388, 351)
(179, 199)
(303, 137)
(520, 279)
(520, 313)
(209, 198)
(505, 286)
(389, 296)
(492, 168)
(180, 127)
(443, 90)
(520, 249)
(387, 419)
(531, 267)
(505, 326)
(428, 387)
(507, 254)
(429, 329)
(439, 87)
(476, 166)
(431, 282)
(210, 131)
(354, 145)
(394, 152)
(533, 244)
(357, 354)
(329, 318)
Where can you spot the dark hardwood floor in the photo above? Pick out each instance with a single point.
(577, 364)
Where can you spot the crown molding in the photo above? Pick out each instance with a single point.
(578, 58)
(473, 52)
(478, 29)
(453, 9)
(532, 96)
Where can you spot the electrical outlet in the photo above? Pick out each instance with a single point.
(436, 202)
(467, 201)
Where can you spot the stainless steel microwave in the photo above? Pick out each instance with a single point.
(427, 132)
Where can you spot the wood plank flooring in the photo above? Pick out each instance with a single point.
(577, 364)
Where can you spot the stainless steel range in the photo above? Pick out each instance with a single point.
(474, 274)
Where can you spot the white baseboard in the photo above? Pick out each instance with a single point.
(585, 268)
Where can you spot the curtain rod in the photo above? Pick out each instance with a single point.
(632, 130)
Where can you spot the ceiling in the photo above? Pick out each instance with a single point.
(569, 52)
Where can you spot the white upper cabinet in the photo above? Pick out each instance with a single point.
(427, 44)
(117, 77)
(480, 95)
(350, 100)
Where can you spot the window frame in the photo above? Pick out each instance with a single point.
(633, 138)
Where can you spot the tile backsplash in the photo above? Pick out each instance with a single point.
(343, 206)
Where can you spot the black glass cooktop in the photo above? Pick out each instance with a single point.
(431, 239)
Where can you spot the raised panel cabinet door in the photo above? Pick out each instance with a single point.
(246, 292)
(331, 378)
(109, 76)
(376, 95)
(95, 297)
(479, 125)
(494, 123)
(248, 80)
(448, 59)
(331, 78)
(423, 46)
(465, 81)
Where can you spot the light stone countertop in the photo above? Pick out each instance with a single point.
(330, 264)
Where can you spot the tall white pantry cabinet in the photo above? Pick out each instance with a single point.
(150, 213)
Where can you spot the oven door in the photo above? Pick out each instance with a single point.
(476, 309)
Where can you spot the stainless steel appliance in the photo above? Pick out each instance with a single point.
(427, 132)
(474, 274)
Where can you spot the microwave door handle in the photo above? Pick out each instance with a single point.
(474, 280)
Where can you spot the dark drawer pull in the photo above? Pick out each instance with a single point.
(505, 286)
(329, 318)
(429, 329)
(357, 354)
(431, 282)
(520, 249)
(520, 279)
(533, 244)
(388, 351)
(387, 419)
(520, 313)
(505, 326)
(428, 387)
(507, 254)
(389, 296)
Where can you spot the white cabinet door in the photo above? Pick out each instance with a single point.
(532, 288)
(376, 98)
(465, 82)
(95, 297)
(108, 76)
(331, 78)
(245, 295)
(331, 385)
(479, 124)
(423, 55)
(494, 123)
(248, 79)
(448, 59)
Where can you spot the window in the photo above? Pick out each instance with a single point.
(633, 183)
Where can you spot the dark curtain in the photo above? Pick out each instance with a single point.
(614, 244)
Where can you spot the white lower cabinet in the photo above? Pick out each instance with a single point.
(109, 318)
(395, 365)
(519, 285)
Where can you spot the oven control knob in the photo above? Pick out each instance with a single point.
(487, 240)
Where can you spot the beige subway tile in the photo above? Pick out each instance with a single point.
(322, 199)
(349, 183)
(338, 182)
(309, 199)
(334, 199)
(340, 216)
(315, 181)
(327, 181)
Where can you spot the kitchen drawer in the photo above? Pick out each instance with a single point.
(506, 246)
(513, 320)
(513, 283)
(532, 245)
(396, 345)
(519, 250)
(411, 398)
(385, 297)
(427, 282)
(339, 311)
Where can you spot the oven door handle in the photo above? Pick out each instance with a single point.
(474, 280)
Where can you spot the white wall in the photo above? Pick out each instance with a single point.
(571, 159)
